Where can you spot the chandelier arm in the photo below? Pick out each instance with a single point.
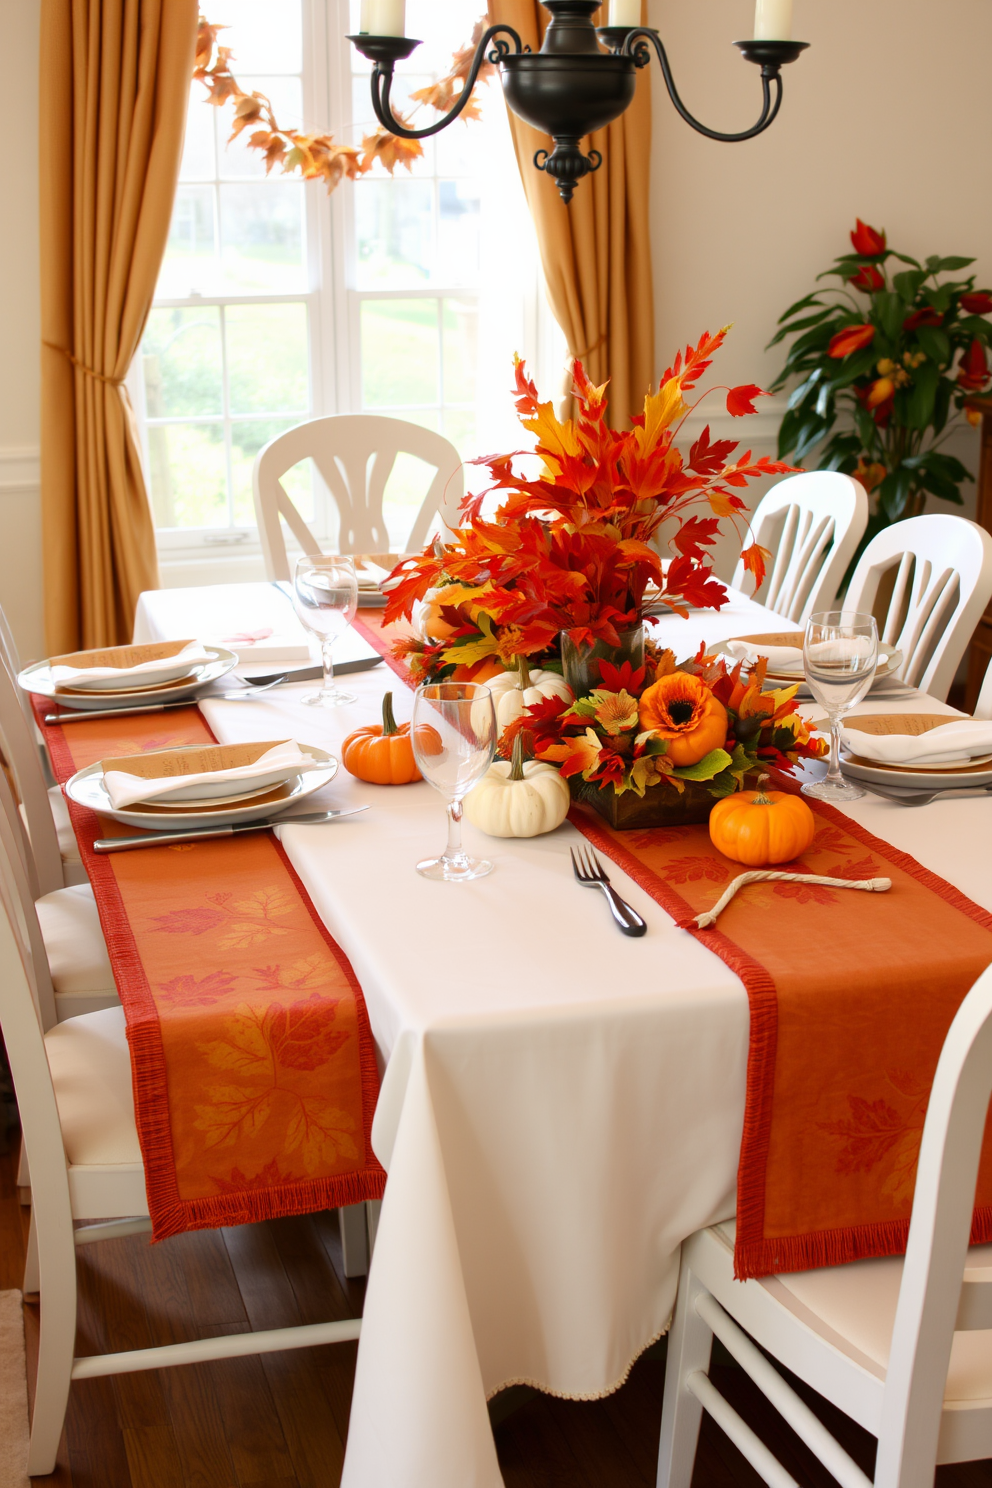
(635, 47)
(382, 82)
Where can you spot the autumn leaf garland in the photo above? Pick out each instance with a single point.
(317, 156)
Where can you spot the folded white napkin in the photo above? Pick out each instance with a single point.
(780, 658)
(951, 743)
(190, 656)
(124, 789)
(370, 575)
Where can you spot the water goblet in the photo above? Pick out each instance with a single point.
(325, 596)
(454, 740)
(840, 653)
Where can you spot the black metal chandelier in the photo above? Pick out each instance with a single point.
(572, 87)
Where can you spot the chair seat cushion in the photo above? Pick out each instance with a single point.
(91, 1073)
(858, 1301)
(77, 951)
(68, 846)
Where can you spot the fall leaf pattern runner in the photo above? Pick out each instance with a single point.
(253, 1065)
(851, 997)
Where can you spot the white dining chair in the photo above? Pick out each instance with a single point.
(941, 568)
(43, 807)
(811, 524)
(903, 1347)
(355, 454)
(73, 1086)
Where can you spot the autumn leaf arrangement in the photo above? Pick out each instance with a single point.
(577, 548)
(668, 725)
(318, 156)
(882, 365)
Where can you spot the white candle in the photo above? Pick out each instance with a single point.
(773, 20)
(366, 16)
(625, 12)
(387, 17)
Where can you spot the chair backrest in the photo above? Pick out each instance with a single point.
(355, 454)
(983, 708)
(812, 524)
(942, 582)
(15, 875)
(21, 753)
(12, 657)
(934, 1302)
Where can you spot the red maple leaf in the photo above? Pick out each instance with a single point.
(188, 921)
(186, 991)
(755, 560)
(740, 400)
(302, 1036)
(694, 869)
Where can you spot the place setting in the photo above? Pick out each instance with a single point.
(118, 679)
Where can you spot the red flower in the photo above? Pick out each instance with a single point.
(979, 302)
(926, 317)
(867, 241)
(852, 338)
(973, 373)
(868, 278)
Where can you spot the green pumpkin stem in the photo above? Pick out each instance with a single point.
(517, 758)
(389, 724)
(524, 672)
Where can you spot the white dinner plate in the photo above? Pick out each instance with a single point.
(184, 800)
(86, 788)
(927, 777)
(889, 662)
(38, 679)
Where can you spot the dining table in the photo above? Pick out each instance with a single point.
(561, 1106)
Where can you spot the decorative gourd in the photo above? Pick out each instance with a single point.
(517, 799)
(480, 671)
(431, 623)
(381, 754)
(513, 692)
(761, 827)
(682, 711)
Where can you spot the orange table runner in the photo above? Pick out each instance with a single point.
(851, 996)
(253, 1065)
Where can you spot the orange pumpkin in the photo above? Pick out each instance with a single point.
(382, 753)
(682, 711)
(761, 827)
(480, 671)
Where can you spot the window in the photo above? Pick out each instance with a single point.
(403, 295)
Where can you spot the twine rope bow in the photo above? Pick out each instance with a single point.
(90, 371)
(765, 875)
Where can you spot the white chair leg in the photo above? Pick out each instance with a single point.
(372, 1210)
(23, 1176)
(32, 1281)
(56, 1347)
(689, 1345)
(354, 1240)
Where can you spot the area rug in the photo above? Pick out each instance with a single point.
(13, 1394)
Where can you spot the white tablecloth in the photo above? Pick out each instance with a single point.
(561, 1106)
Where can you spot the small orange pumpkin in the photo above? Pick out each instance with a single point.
(381, 754)
(479, 671)
(682, 711)
(761, 827)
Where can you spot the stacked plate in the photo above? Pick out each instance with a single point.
(126, 676)
(785, 657)
(946, 760)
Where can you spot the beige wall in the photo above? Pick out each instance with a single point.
(20, 523)
(888, 117)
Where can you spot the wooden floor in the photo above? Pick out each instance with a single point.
(281, 1421)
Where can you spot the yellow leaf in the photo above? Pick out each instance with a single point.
(266, 902)
(247, 933)
(720, 503)
(661, 410)
(319, 1131)
(233, 1114)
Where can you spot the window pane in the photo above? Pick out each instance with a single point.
(181, 360)
(460, 428)
(399, 352)
(188, 475)
(267, 358)
(394, 224)
(236, 160)
(364, 121)
(458, 233)
(409, 481)
(189, 256)
(460, 329)
(264, 37)
(262, 238)
(198, 148)
(246, 440)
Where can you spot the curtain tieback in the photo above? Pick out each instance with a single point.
(580, 356)
(90, 371)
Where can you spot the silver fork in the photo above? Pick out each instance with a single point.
(251, 692)
(590, 874)
(924, 797)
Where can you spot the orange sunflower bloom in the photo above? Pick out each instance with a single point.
(681, 710)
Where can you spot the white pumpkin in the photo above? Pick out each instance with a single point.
(513, 692)
(517, 799)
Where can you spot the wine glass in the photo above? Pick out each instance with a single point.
(840, 653)
(325, 596)
(454, 740)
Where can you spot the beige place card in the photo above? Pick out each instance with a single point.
(912, 724)
(786, 638)
(121, 656)
(168, 763)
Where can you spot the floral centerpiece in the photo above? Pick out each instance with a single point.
(664, 751)
(564, 572)
(884, 362)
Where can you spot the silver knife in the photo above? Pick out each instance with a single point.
(163, 839)
(82, 715)
(313, 673)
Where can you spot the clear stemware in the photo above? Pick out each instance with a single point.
(840, 653)
(454, 740)
(325, 595)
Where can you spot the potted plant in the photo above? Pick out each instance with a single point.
(885, 361)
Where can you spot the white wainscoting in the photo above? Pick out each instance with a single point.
(21, 573)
